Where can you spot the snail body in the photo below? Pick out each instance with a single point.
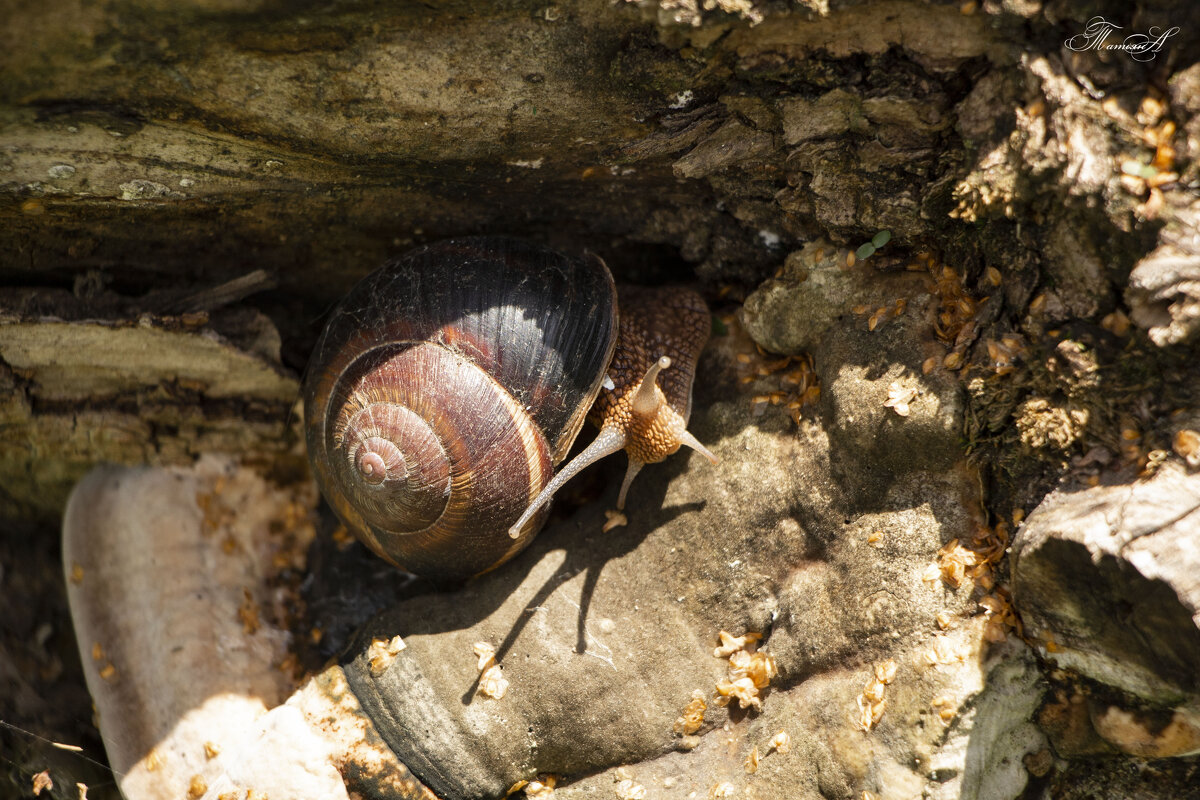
(450, 382)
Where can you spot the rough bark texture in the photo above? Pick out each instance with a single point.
(1033, 311)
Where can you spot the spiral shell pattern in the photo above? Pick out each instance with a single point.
(445, 388)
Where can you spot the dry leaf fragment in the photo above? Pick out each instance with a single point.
(42, 781)
(946, 706)
(1187, 445)
(751, 763)
(869, 713)
(629, 790)
(197, 786)
(743, 690)
(693, 715)
(730, 644)
(952, 563)
(493, 684)
(749, 671)
(382, 653)
(899, 397)
(871, 702)
(486, 655)
(762, 669)
(991, 604)
(541, 788)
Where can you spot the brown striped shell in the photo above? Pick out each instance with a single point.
(446, 387)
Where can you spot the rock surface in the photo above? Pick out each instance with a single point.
(886, 679)
(606, 637)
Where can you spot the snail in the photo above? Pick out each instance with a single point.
(450, 382)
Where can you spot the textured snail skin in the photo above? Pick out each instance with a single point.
(499, 346)
(450, 382)
(644, 406)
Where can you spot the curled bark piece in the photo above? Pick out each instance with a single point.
(167, 593)
(1108, 581)
(1164, 287)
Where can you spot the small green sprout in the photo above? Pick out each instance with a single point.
(877, 241)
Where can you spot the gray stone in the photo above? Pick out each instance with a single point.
(793, 312)
(803, 534)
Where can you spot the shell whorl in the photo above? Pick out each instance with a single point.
(387, 450)
(445, 388)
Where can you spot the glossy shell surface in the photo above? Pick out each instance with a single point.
(476, 360)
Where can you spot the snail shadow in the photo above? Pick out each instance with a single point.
(352, 596)
(588, 549)
(357, 597)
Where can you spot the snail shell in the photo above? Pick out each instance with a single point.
(445, 388)
(450, 382)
